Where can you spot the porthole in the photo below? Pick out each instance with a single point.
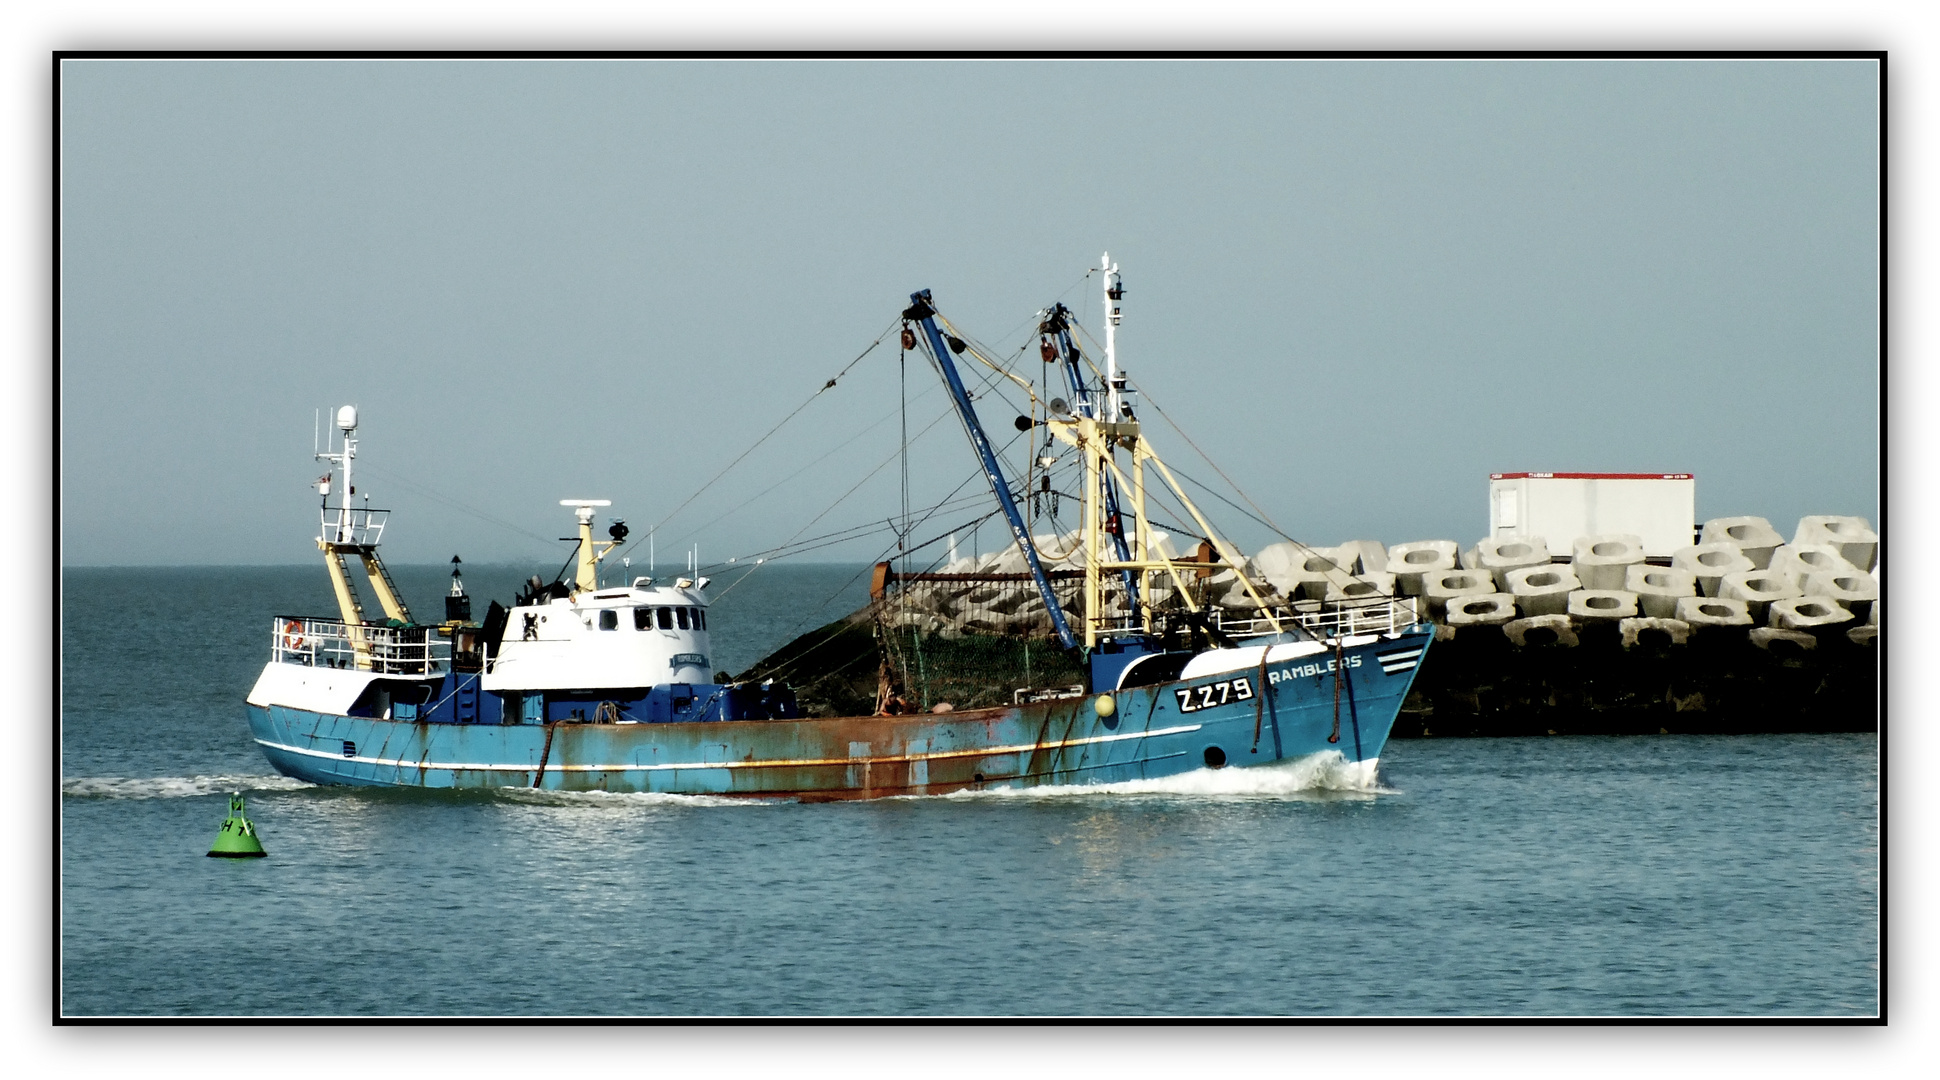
(1215, 758)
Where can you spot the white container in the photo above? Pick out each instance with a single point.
(1658, 508)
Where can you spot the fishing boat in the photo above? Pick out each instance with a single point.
(585, 684)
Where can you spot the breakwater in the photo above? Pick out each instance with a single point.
(1743, 631)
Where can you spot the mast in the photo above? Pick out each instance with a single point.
(923, 312)
(354, 532)
(586, 577)
(1086, 403)
(1114, 289)
(1098, 437)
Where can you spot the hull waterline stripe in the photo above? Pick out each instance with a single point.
(774, 763)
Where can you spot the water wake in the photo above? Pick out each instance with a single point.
(1320, 776)
(172, 787)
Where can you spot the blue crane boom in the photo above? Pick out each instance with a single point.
(923, 312)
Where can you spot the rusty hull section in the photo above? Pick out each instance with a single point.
(856, 757)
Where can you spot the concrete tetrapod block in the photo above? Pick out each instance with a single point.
(1361, 587)
(1488, 609)
(1600, 561)
(1753, 535)
(1794, 561)
(1701, 612)
(1409, 561)
(1863, 635)
(1858, 544)
(1658, 588)
(1857, 593)
(1277, 564)
(1499, 556)
(1542, 590)
(1710, 562)
(1444, 585)
(1757, 588)
(1363, 557)
(1316, 568)
(1632, 630)
(1806, 613)
(1588, 605)
(1767, 636)
(1541, 630)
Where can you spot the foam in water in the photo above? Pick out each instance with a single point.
(172, 787)
(1318, 776)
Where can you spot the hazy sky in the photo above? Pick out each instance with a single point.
(1360, 287)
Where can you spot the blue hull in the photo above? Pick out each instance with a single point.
(1279, 711)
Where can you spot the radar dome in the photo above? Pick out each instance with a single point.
(347, 417)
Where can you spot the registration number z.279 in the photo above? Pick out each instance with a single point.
(1194, 698)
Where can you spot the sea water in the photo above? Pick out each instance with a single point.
(1667, 876)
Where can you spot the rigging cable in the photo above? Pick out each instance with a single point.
(1263, 517)
(771, 433)
(870, 475)
(796, 660)
(831, 452)
(391, 477)
(852, 532)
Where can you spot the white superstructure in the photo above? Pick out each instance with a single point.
(641, 635)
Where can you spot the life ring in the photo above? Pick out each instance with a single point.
(293, 635)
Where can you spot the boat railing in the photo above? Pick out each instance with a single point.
(352, 526)
(1325, 619)
(333, 643)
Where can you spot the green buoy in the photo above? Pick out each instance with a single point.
(237, 838)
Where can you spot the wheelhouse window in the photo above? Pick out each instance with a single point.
(609, 619)
(666, 618)
(700, 618)
(680, 614)
(643, 618)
